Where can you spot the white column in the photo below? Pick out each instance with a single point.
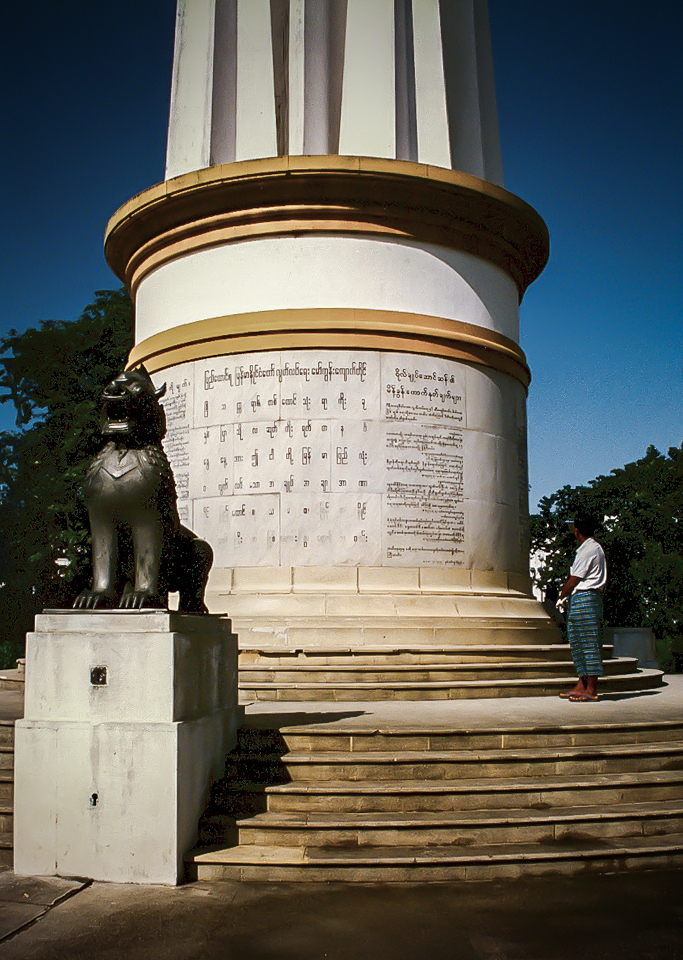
(256, 133)
(189, 131)
(368, 125)
(430, 86)
(296, 76)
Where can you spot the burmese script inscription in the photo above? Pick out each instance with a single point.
(294, 460)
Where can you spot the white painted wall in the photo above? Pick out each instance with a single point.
(282, 273)
(300, 458)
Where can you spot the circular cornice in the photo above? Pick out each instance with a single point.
(326, 194)
(327, 328)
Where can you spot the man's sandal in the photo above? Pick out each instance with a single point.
(583, 698)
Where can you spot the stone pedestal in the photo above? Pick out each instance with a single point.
(128, 718)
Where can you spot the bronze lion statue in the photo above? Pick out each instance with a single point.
(140, 550)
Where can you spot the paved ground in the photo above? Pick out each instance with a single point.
(622, 917)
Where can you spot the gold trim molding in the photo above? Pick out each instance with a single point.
(326, 194)
(334, 329)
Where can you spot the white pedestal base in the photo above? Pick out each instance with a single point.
(128, 720)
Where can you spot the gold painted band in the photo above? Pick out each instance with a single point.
(333, 329)
(295, 195)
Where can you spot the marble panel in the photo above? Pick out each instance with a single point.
(357, 456)
(511, 475)
(258, 449)
(493, 470)
(497, 543)
(337, 384)
(212, 458)
(243, 531)
(178, 407)
(289, 458)
(344, 529)
(480, 451)
(299, 456)
(493, 401)
(325, 579)
(237, 389)
(417, 389)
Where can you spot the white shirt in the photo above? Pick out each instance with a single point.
(590, 566)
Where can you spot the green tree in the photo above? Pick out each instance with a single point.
(640, 507)
(53, 375)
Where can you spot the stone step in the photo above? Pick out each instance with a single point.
(440, 796)
(7, 785)
(7, 792)
(6, 849)
(462, 689)
(452, 764)
(335, 827)
(250, 608)
(6, 734)
(256, 739)
(12, 681)
(352, 633)
(465, 828)
(417, 864)
(385, 671)
(338, 655)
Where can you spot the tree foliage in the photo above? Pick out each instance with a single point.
(53, 375)
(640, 507)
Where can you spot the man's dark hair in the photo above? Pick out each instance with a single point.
(585, 524)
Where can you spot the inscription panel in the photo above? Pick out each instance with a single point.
(178, 404)
(355, 458)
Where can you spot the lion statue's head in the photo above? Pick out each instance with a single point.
(131, 409)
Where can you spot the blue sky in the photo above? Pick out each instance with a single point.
(590, 103)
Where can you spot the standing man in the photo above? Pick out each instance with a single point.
(588, 576)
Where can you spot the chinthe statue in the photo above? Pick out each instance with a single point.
(140, 550)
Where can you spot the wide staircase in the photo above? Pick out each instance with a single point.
(352, 801)
(381, 741)
(420, 671)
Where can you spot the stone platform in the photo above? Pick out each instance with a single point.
(328, 634)
(467, 789)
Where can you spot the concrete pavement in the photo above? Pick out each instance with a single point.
(621, 917)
